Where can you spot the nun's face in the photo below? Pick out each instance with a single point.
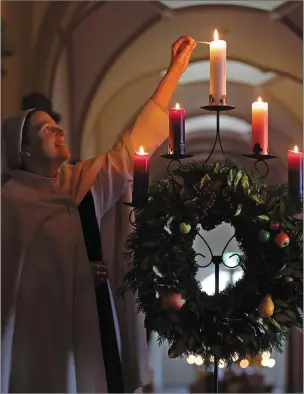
(46, 140)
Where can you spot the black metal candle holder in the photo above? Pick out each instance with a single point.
(176, 158)
(218, 109)
(259, 158)
(216, 260)
(135, 205)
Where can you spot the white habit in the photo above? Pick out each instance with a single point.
(50, 329)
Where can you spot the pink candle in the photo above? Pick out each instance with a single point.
(141, 176)
(176, 131)
(260, 125)
(295, 179)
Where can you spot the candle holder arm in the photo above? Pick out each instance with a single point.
(259, 158)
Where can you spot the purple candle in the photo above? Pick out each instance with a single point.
(141, 176)
(295, 179)
(176, 131)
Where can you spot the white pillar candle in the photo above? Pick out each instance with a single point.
(217, 69)
(260, 125)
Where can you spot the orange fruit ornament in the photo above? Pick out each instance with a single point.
(266, 307)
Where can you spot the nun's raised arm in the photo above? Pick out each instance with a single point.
(110, 173)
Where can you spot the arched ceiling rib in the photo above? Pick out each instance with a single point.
(237, 71)
(104, 35)
(47, 41)
(229, 123)
(136, 57)
(267, 5)
(263, 46)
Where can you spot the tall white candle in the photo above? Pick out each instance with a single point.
(260, 125)
(217, 69)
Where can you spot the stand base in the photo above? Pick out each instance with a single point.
(260, 157)
(175, 156)
(218, 108)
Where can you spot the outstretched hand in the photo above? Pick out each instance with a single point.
(181, 53)
(180, 57)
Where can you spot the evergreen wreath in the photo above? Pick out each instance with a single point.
(256, 313)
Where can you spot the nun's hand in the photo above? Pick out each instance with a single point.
(100, 272)
(181, 53)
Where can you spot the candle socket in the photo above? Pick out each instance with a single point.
(257, 155)
(177, 151)
(175, 157)
(212, 101)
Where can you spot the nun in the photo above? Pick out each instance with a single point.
(105, 300)
(49, 319)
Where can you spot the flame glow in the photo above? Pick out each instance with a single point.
(244, 363)
(260, 100)
(141, 151)
(296, 149)
(215, 35)
(271, 363)
(177, 106)
(266, 355)
(191, 359)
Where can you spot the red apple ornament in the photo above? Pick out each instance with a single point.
(282, 240)
(171, 300)
(274, 225)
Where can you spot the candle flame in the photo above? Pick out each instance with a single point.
(260, 100)
(296, 149)
(215, 35)
(177, 106)
(141, 151)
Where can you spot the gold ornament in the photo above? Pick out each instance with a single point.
(266, 307)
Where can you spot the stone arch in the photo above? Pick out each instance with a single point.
(291, 70)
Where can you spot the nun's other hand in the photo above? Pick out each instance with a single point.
(100, 272)
(181, 53)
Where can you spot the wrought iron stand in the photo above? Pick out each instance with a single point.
(215, 259)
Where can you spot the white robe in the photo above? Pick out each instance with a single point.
(50, 329)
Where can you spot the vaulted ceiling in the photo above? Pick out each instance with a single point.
(100, 61)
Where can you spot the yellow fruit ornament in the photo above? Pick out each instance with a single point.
(266, 307)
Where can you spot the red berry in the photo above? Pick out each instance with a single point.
(282, 240)
(274, 225)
